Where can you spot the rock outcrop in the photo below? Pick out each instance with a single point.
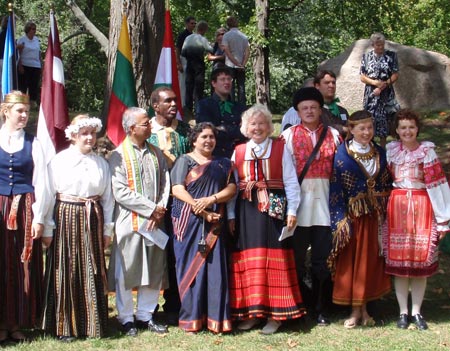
(424, 77)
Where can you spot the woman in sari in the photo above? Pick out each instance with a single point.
(418, 216)
(201, 185)
(23, 201)
(82, 207)
(359, 192)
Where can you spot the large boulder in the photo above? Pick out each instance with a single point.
(424, 77)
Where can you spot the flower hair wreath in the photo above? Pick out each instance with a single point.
(93, 122)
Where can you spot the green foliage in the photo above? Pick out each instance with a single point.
(301, 34)
(84, 64)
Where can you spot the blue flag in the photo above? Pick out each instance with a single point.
(9, 70)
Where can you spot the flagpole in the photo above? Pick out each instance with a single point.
(15, 80)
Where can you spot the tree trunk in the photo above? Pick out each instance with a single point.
(146, 30)
(261, 61)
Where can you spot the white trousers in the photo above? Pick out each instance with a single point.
(147, 298)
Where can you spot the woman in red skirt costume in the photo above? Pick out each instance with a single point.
(418, 215)
(263, 282)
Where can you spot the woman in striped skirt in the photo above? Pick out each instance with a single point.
(80, 182)
(22, 208)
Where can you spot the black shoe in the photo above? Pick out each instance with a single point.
(141, 325)
(172, 318)
(156, 328)
(419, 322)
(403, 322)
(322, 320)
(66, 339)
(129, 329)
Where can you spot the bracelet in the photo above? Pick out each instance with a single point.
(215, 199)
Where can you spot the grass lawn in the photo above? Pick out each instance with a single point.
(302, 334)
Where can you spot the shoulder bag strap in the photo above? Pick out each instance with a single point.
(313, 154)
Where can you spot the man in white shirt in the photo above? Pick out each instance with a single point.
(313, 215)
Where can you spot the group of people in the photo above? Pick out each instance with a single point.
(220, 216)
(231, 49)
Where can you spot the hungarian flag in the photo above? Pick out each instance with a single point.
(9, 69)
(167, 73)
(123, 93)
(53, 114)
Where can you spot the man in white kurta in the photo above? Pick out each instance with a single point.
(140, 184)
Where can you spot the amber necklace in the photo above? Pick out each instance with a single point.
(366, 156)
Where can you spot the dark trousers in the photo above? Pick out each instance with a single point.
(238, 88)
(171, 296)
(319, 238)
(195, 83)
(29, 80)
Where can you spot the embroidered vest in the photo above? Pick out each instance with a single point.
(252, 170)
(302, 147)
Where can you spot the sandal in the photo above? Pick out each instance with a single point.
(351, 322)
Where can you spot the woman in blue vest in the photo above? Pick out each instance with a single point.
(22, 208)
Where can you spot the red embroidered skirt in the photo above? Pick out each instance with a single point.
(410, 238)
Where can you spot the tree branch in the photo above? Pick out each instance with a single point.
(287, 8)
(76, 34)
(90, 27)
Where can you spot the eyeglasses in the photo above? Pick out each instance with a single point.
(143, 125)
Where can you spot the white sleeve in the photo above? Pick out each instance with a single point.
(290, 181)
(40, 183)
(439, 194)
(107, 201)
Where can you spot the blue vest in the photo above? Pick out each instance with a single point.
(16, 169)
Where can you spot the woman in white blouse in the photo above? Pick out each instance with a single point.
(418, 216)
(263, 276)
(82, 209)
(29, 65)
(23, 177)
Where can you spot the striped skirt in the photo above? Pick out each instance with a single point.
(263, 280)
(17, 306)
(76, 296)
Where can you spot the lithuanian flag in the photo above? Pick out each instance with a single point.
(123, 93)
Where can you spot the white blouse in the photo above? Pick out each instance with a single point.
(81, 175)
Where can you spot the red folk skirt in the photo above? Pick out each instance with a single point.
(360, 275)
(410, 238)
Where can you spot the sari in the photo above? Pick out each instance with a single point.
(202, 277)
